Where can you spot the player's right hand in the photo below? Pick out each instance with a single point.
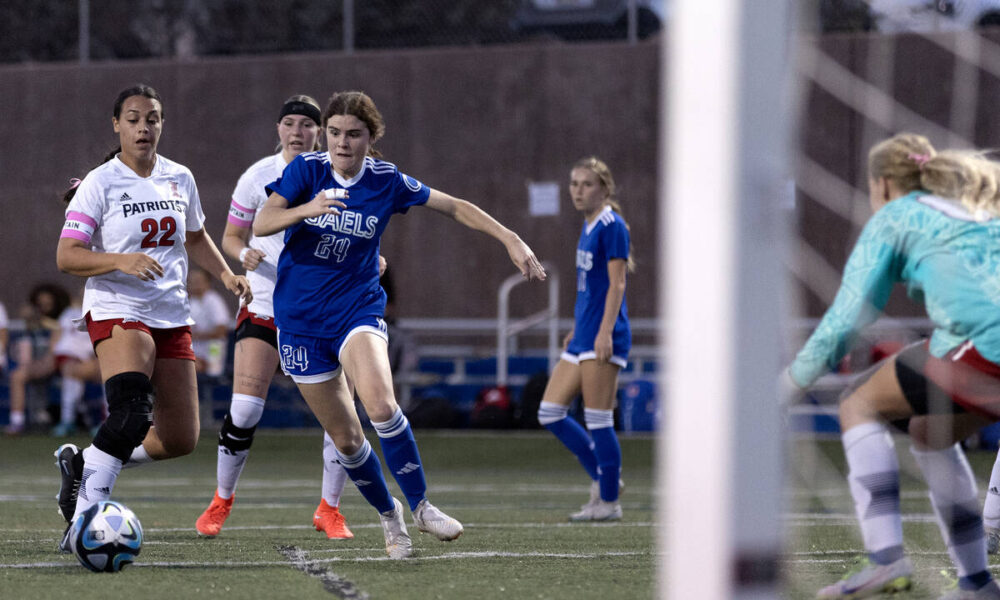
(140, 265)
(252, 259)
(325, 204)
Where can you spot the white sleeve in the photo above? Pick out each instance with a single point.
(195, 215)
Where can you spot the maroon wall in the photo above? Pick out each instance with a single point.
(476, 123)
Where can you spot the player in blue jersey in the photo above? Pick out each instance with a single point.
(255, 356)
(935, 229)
(598, 345)
(333, 207)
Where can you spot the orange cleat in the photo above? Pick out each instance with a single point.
(209, 524)
(329, 520)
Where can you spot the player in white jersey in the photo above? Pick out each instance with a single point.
(255, 358)
(334, 208)
(598, 345)
(131, 226)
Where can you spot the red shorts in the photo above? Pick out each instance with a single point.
(252, 325)
(254, 318)
(961, 377)
(170, 343)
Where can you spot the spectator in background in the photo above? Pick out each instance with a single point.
(33, 350)
(4, 338)
(211, 323)
(76, 364)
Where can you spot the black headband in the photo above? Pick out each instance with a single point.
(300, 108)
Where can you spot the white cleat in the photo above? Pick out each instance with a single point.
(398, 544)
(871, 579)
(599, 511)
(429, 519)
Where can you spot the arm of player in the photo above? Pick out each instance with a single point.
(234, 244)
(473, 217)
(73, 256)
(603, 345)
(202, 250)
(276, 216)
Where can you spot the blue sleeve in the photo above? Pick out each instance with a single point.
(408, 192)
(869, 275)
(615, 240)
(293, 185)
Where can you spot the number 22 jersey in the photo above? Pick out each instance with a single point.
(328, 271)
(116, 210)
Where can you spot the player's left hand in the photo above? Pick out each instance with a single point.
(382, 265)
(524, 259)
(239, 286)
(603, 347)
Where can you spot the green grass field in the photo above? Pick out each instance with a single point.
(822, 533)
(511, 490)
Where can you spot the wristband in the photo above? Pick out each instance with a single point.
(243, 253)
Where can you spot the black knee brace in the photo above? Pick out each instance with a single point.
(130, 414)
(234, 438)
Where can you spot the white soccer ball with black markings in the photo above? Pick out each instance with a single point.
(106, 537)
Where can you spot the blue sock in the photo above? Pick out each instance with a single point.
(365, 470)
(974, 581)
(575, 437)
(609, 459)
(402, 457)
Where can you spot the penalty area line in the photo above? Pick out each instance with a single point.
(333, 583)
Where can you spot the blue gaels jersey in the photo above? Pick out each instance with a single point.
(949, 261)
(328, 270)
(603, 240)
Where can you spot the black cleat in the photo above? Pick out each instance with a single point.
(64, 544)
(69, 459)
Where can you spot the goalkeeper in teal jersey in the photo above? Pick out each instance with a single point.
(935, 229)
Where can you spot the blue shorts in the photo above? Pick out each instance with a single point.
(578, 351)
(308, 359)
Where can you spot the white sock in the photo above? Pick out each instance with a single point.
(138, 457)
(100, 471)
(334, 475)
(69, 397)
(991, 508)
(245, 411)
(874, 483)
(17, 418)
(952, 489)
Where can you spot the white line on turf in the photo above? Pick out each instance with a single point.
(357, 559)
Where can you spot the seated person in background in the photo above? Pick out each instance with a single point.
(76, 363)
(4, 338)
(32, 352)
(211, 323)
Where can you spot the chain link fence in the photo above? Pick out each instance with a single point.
(130, 29)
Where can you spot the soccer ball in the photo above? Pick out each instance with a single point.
(106, 537)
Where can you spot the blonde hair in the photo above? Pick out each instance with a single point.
(603, 172)
(912, 163)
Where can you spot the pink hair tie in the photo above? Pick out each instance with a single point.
(920, 159)
(74, 183)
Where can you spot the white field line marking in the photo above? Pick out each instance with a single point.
(58, 532)
(333, 583)
(358, 559)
